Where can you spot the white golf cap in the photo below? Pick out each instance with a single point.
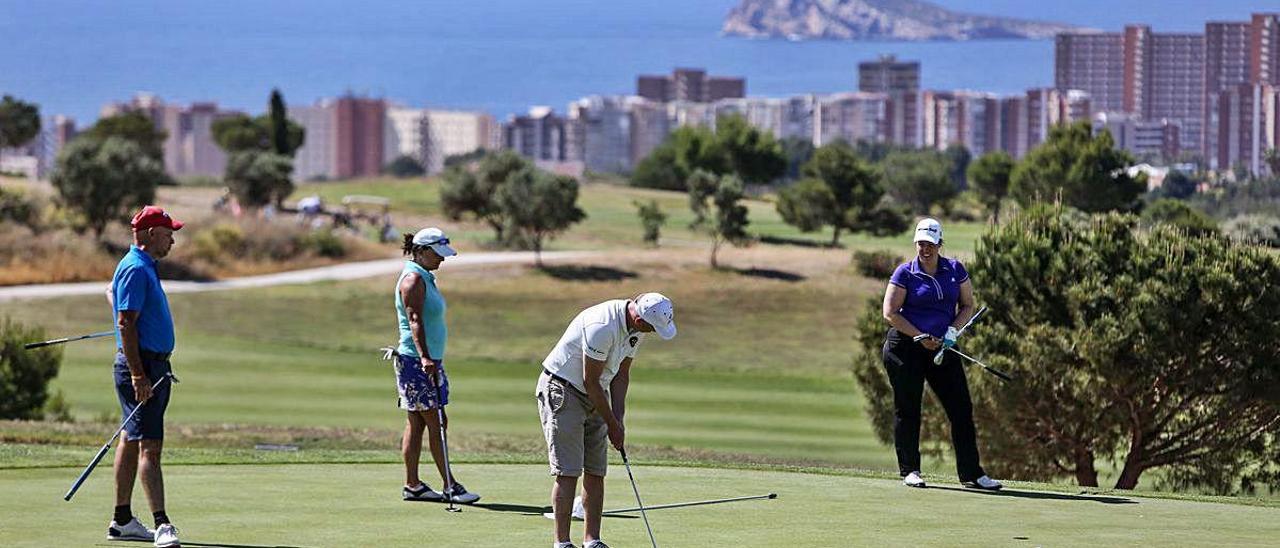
(656, 309)
(929, 230)
(436, 240)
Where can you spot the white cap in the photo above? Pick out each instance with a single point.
(929, 230)
(656, 309)
(436, 240)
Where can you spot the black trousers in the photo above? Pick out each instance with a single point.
(909, 364)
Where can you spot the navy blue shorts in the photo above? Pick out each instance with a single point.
(418, 391)
(148, 424)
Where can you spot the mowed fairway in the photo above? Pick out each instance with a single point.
(357, 505)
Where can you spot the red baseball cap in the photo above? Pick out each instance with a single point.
(152, 216)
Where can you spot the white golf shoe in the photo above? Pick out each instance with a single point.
(167, 536)
(563, 545)
(459, 494)
(985, 483)
(913, 480)
(422, 492)
(595, 544)
(579, 512)
(134, 530)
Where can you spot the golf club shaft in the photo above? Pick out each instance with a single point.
(107, 446)
(639, 502)
(686, 504)
(52, 342)
(1003, 376)
(444, 439)
(937, 358)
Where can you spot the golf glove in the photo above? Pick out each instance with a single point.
(949, 340)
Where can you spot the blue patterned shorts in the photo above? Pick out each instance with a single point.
(417, 390)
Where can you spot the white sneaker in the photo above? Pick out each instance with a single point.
(459, 494)
(419, 493)
(578, 511)
(595, 544)
(914, 480)
(984, 483)
(563, 545)
(134, 530)
(167, 536)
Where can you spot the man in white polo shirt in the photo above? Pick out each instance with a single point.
(582, 396)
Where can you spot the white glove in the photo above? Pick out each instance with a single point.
(949, 339)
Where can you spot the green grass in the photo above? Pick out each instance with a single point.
(357, 505)
(611, 216)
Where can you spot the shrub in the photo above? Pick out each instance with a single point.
(25, 374)
(876, 264)
(17, 207)
(1262, 229)
(325, 244)
(220, 241)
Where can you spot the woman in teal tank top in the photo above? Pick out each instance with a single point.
(420, 376)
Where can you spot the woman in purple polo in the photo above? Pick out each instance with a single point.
(931, 296)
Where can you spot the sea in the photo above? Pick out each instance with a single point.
(501, 56)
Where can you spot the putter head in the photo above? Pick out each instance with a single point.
(172, 378)
(452, 509)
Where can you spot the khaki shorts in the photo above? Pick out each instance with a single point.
(577, 437)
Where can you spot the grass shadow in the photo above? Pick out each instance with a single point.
(1040, 495)
(769, 274)
(799, 242)
(587, 273)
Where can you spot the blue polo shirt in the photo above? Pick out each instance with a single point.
(136, 286)
(931, 300)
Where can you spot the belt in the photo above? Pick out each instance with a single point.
(149, 355)
(562, 380)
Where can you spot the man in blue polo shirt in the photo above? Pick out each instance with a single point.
(929, 298)
(144, 340)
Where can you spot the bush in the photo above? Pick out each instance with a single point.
(220, 241)
(53, 256)
(876, 264)
(1261, 229)
(325, 244)
(17, 207)
(25, 374)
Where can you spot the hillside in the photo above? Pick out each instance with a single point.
(909, 20)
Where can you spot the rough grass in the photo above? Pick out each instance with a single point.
(612, 221)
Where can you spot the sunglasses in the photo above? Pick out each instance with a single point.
(444, 241)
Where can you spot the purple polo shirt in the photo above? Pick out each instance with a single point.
(931, 300)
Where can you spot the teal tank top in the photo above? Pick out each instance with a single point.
(433, 308)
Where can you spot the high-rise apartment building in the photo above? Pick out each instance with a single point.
(358, 136)
(901, 81)
(851, 117)
(454, 132)
(541, 135)
(314, 160)
(1087, 61)
(1240, 52)
(689, 84)
(406, 134)
(965, 118)
(188, 148)
(1248, 126)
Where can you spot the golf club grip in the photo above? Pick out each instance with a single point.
(1003, 376)
(40, 344)
(88, 469)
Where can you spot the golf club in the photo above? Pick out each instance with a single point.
(52, 342)
(551, 515)
(1002, 375)
(444, 443)
(107, 446)
(937, 359)
(639, 502)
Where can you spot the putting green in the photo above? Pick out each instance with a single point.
(358, 505)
